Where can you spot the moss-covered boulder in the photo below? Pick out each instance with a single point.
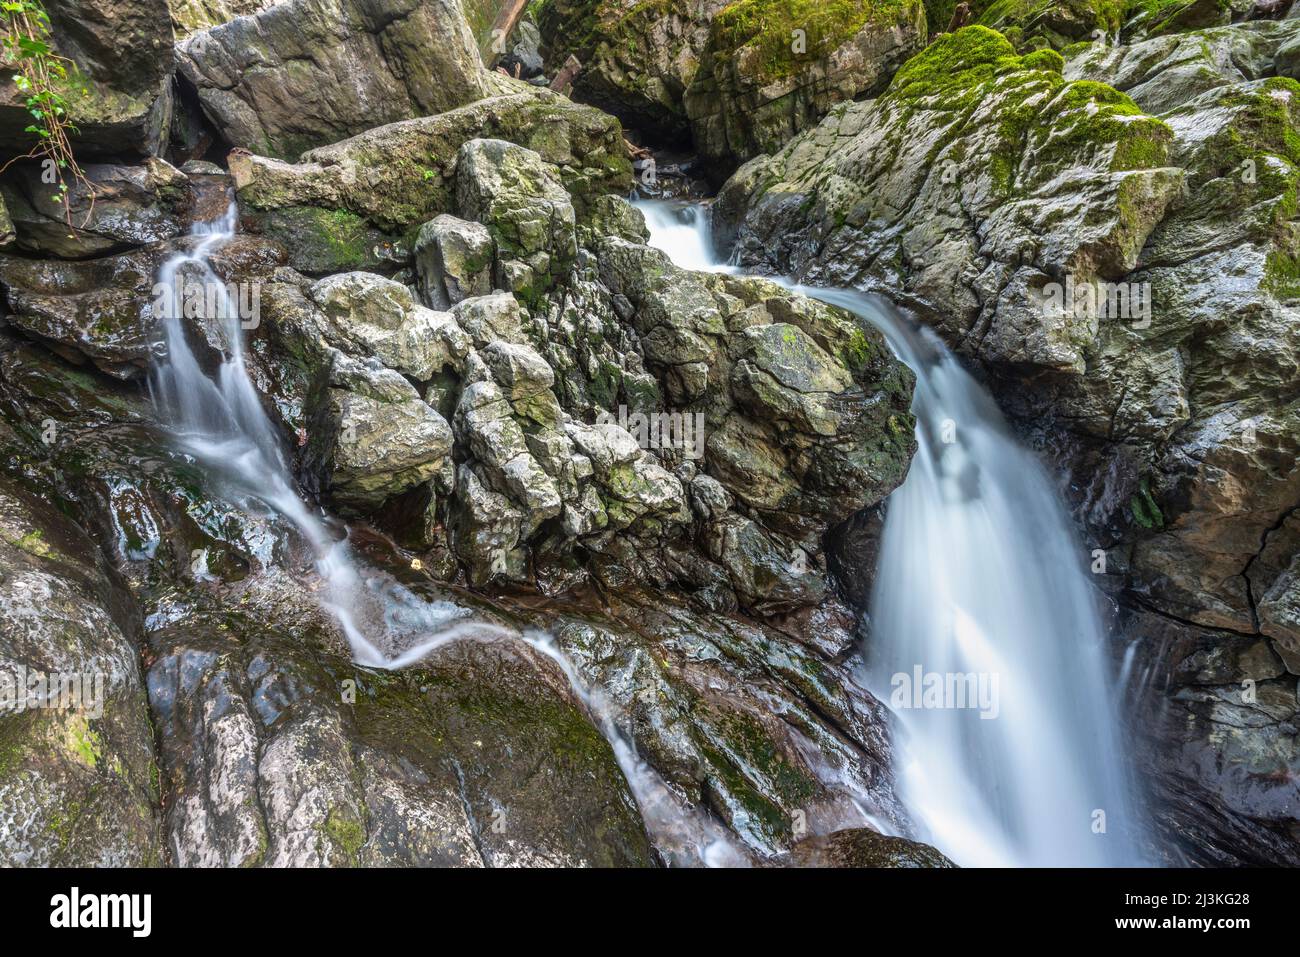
(1031, 24)
(1153, 18)
(306, 73)
(278, 751)
(976, 171)
(772, 68)
(339, 207)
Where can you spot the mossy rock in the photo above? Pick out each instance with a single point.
(324, 241)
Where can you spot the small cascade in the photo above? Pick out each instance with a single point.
(220, 422)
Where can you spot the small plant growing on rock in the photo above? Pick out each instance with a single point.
(40, 74)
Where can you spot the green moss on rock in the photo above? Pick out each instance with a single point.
(1144, 509)
(768, 27)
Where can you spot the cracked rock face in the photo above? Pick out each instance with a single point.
(554, 427)
(1175, 424)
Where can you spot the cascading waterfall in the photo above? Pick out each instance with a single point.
(221, 423)
(980, 588)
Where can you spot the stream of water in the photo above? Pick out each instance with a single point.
(1013, 756)
(980, 578)
(219, 421)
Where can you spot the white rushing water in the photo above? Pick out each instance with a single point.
(221, 423)
(980, 586)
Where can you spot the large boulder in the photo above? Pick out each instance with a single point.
(1030, 24)
(375, 436)
(118, 92)
(307, 73)
(772, 68)
(860, 847)
(934, 192)
(335, 206)
(454, 260)
(279, 752)
(369, 315)
(638, 58)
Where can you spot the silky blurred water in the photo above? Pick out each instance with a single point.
(981, 587)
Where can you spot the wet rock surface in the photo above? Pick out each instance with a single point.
(78, 783)
(647, 500)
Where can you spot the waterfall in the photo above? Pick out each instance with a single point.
(221, 423)
(985, 635)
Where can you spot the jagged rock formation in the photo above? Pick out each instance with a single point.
(473, 414)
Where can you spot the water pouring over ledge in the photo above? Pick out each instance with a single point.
(219, 421)
(980, 587)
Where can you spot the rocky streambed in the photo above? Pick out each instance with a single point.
(510, 410)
